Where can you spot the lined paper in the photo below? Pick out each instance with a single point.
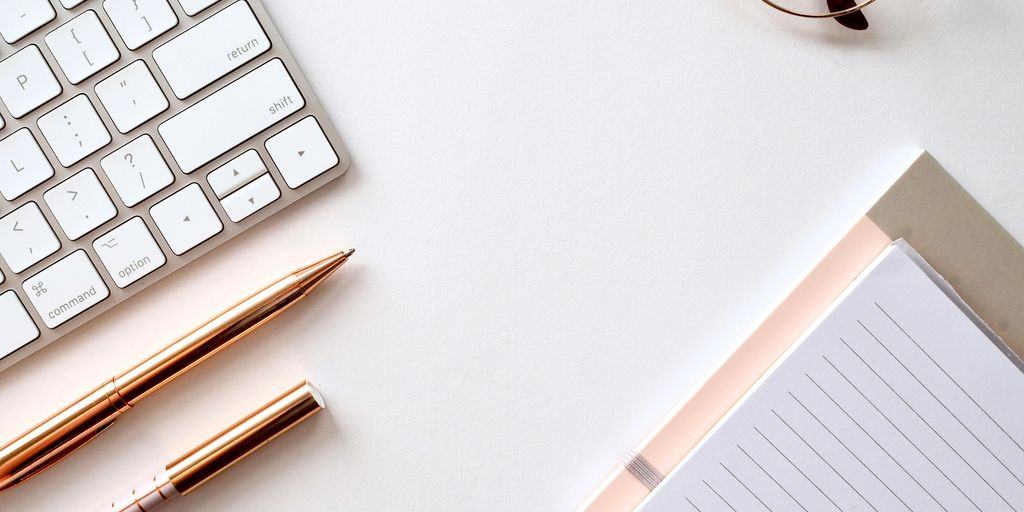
(894, 400)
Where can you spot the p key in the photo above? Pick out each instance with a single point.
(26, 81)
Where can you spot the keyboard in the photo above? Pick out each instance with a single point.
(136, 136)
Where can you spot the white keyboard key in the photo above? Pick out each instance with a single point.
(231, 115)
(129, 252)
(66, 289)
(220, 44)
(186, 219)
(26, 238)
(302, 152)
(239, 171)
(26, 81)
(18, 327)
(74, 130)
(82, 47)
(137, 170)
(131, 96)
(23, 165)
(21, 17)
(251, 198)
(140, 21)
(193, 7)
(80, 204)
(71, 4)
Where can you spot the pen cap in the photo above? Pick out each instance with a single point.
(248, 434)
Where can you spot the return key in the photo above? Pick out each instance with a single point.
(217, 46)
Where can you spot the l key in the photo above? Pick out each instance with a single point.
(22, 164)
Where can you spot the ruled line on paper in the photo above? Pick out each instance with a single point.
(851, 452)
(876, 408)
(772, 478)
(695, 507)
(720, 496)
(790, 461)
(942, 403)
(930, 427)
(878, 444)
(752, 493)
(823, 459)
(950, 377)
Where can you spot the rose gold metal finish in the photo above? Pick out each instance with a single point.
(836, 14)
(239, 440)
(222, 451)
(69, 429)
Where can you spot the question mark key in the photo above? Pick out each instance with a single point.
(137, 170)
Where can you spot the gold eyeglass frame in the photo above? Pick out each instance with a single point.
(836, 14)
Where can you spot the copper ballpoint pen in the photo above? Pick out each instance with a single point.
(75, 425)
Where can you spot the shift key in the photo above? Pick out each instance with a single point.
(65, 289)
(231, 115)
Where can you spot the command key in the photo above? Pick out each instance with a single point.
(66, 289)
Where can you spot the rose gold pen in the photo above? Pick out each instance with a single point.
(221, 451)
(75, 425)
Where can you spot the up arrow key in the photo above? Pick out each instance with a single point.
(186, 219)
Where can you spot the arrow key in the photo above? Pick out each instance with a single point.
(302, 152)
(237, 172)
(186, 219)
(251, 198)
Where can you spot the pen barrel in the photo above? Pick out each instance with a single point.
(244, 437)
(145, 497)
(212, 337)
(59, 435)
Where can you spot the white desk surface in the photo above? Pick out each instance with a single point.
(565, 213)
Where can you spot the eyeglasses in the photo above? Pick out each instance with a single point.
(846, 12)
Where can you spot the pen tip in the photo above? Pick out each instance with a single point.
(311, 276)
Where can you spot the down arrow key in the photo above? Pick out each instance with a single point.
(251, 198)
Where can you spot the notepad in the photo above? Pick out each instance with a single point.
(897, 398)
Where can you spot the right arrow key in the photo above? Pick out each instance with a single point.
(302, 152)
